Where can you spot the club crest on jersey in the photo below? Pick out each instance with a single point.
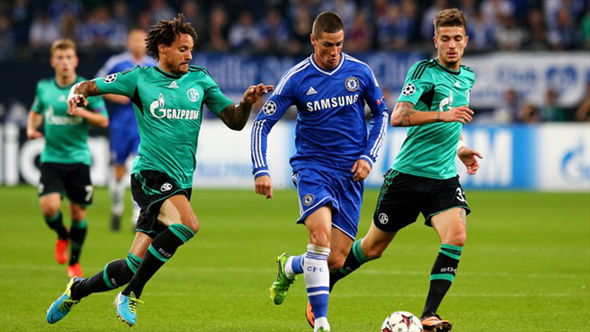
(409, 89)
(383, 218)
(308, 199)
(110, 78)
(269, 108)
(351, 84)
(192, 94)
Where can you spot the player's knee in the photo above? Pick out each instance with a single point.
(49, 210)
(320, 238)
(191, 222)
(457, 238)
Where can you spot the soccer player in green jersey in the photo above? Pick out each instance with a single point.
(423, 178)
(168, 103)
(66, 159)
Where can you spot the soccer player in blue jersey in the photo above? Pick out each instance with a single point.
(335, 153)
(124, 136)
(423, 179)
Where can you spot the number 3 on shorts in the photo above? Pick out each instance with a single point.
(461, 195)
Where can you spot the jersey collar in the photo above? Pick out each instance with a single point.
(165, 73)
(448, 70)
(67, 87)
(330, 73)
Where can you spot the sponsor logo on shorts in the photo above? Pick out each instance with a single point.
(308, 199)
(166, 187)
(383, 218)
(110, 78)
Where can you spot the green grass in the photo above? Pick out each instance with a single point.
(526, 267)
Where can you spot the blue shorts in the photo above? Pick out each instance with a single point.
(124, 143)
(317, 188)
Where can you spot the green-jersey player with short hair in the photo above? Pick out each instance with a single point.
(66, 158)
(423, 178)
(168, 101)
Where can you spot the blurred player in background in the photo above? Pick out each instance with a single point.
(334, 156)
(66, 159)
(168, 101)
(124, 137)
(423, 179)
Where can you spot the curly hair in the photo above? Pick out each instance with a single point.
(165, 32)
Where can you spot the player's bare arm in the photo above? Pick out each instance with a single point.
(78, 94)
(94, 119)
(236, 116)
(33, 122)
(404, 115)
(263, 186)
(361, 170)
(468, 157)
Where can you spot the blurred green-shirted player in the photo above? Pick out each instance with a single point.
(66, 159)
(423, 179)
(168, 103)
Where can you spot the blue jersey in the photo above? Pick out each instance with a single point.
(331, 132)
(122, 116)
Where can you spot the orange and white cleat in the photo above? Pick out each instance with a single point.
(75, 271)
(309, 315)
(436, 324)
(61, 251)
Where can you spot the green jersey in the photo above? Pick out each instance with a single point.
(65, 135)
(429, 150)
(169, 110)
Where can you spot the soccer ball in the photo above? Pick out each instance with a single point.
(401, 321)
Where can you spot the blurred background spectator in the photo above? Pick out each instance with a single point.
(282, 27)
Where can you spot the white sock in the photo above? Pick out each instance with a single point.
(317, 279)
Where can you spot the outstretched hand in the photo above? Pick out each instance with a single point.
(254, 92)
(468, 158)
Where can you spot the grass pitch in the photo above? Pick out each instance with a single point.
(526, 267)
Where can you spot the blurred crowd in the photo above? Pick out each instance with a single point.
(283, 26)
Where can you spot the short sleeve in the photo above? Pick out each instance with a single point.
(122, 83)
(37, 106)
(418, 80)
(215, 100)
(96, 105)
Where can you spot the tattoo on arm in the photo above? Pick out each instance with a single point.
(88, 88)
(405, 110)
(236, 116)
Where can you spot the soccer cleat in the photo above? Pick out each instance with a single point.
(321, 329)
(62, 306)
(436, 324)
(280, 287)
(61, 251)
(127, 307)
(75, 271)
(309, 315)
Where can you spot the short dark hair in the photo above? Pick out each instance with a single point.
(451, 17)
(328, 22)
(165, 32)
